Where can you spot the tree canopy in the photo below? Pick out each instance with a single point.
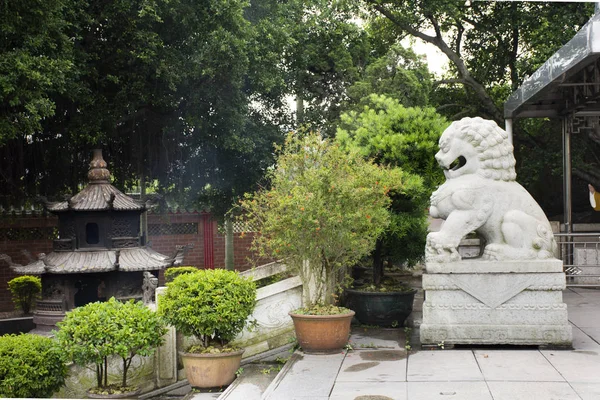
(188, 97)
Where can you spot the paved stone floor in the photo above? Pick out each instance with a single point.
(380, 368)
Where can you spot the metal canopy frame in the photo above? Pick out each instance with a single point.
(566, 86)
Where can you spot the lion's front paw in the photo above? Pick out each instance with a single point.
(438, 249)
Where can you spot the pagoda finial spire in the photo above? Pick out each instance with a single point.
(98, 172)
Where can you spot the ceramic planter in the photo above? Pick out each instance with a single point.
(382, 309)
(211, 370)
(322, 333)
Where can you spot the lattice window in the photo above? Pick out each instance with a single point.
(122, 228)
(190, 228)
(29, 233)
(238, 227)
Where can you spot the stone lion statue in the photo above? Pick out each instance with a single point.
(480, 194)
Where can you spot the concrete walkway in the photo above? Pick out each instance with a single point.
(379, 367)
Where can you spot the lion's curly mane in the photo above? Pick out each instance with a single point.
(494, 151)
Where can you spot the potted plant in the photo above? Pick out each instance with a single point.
(212, 305)
(324, 210)
(96, 332)
(405, 138)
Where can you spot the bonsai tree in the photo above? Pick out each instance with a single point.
(93, 333)
(397, 136)
(30, 366)
(213, 305)
(323, 211)
(25, 290)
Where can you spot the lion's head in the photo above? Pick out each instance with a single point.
(476, 146)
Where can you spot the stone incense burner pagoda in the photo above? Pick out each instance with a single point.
(101, 251)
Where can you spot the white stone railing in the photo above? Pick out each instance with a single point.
(273, 327)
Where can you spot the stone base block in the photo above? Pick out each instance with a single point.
(518, 306)
(544, 335)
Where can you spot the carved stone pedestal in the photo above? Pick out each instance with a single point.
(495, 302)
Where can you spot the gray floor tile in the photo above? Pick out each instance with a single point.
(374, 365)
(516, 365)
(443, 365)
(351, 390)
(594, 333)
(532, 391)
(583, 341)
(587, 391)
(585, 317)
(448, 391)
(576, 366)
(365, 338)
(310, 377)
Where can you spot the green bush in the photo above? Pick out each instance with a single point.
(402, 137)
(96, 331)
(325, 209)
(174, 272)
(212, 303)
(30, 366)
(25, 290)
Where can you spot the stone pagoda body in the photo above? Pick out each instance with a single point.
(101, 251)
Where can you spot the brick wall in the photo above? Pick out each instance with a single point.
(166, 231)
(19, 233)
(243, 258)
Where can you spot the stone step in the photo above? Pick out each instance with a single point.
(306, 376)
(257, 374)
(252, 382)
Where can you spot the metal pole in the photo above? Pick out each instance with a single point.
(566, 133)
(508, 127)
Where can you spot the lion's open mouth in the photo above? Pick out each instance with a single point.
(456, 164)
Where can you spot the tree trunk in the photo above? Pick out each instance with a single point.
(487, 103)
(125, 369)
(378, 263)
(299, 111)
(99, 375)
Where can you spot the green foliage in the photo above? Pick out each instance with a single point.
(25, 290)
(164, 87)
(174, 272)
(399, 74)
(96, 331)
(212, 303)
(35, 63)
(324, 210)
(30, 366)
(394, 135)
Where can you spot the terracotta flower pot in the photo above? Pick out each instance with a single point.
(211, 370)
(322, 333)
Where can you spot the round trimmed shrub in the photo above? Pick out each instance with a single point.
(25, 290)
(30, 366)
(96, 331)
(211, 303)
(174, 272)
